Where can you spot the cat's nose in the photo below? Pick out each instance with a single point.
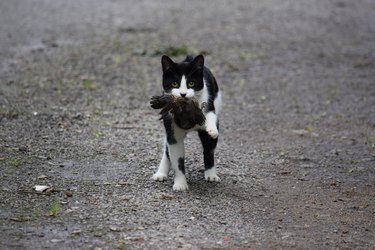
(183, 95)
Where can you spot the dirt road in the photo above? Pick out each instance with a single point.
(296, 153)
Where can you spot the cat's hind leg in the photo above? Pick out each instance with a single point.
(164, 166)
(209, 145)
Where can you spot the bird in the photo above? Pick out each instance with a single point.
(185, 111)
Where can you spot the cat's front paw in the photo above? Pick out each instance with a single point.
(213, 132)
(180, 185)
(211, 176)
(159, 177)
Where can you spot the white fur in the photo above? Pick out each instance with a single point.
(204, 93)
(164, 166)
(217, 103)
(212, 117)
(177, 151)
(211, 175)
(204, 98)
(180, 183)
(183, 89)
(211, 121)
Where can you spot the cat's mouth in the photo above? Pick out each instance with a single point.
(184, 96)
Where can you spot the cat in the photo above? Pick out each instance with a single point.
(189, 79)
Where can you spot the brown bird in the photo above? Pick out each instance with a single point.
(186, 112)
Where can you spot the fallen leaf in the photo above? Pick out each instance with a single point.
(41, 188)
(227, 238)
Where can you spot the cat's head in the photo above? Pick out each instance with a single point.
(183, 79)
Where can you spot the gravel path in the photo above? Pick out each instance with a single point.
(296, 154)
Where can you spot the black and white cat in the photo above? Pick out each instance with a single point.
(189, 79)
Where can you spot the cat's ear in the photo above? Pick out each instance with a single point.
(198, 61)
(166, 63)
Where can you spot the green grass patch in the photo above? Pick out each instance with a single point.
(172, 50)
(38, 212)
(97, 133)
(88, 84)
(54, 209)
(27, 215)
(14, 162)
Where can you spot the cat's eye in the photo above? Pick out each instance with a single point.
(174, 84)
(191, 84)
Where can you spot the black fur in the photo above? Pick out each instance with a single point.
(212, 87)
(172, 72)
(209, 145)
(167, 152)
(181, 164)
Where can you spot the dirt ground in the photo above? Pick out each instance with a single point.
(296, 153)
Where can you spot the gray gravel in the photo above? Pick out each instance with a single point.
(296, 154)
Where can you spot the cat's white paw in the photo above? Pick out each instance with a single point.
(211, 176)
(159, 177)
(213, 132)
(180, 185)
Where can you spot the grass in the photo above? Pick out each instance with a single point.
(27, 215)
(36, 214)
(54, 210)
(97, 133)
(97, 112)
(14, 162)
(23, 216)
(88, 84)
(182, 50)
